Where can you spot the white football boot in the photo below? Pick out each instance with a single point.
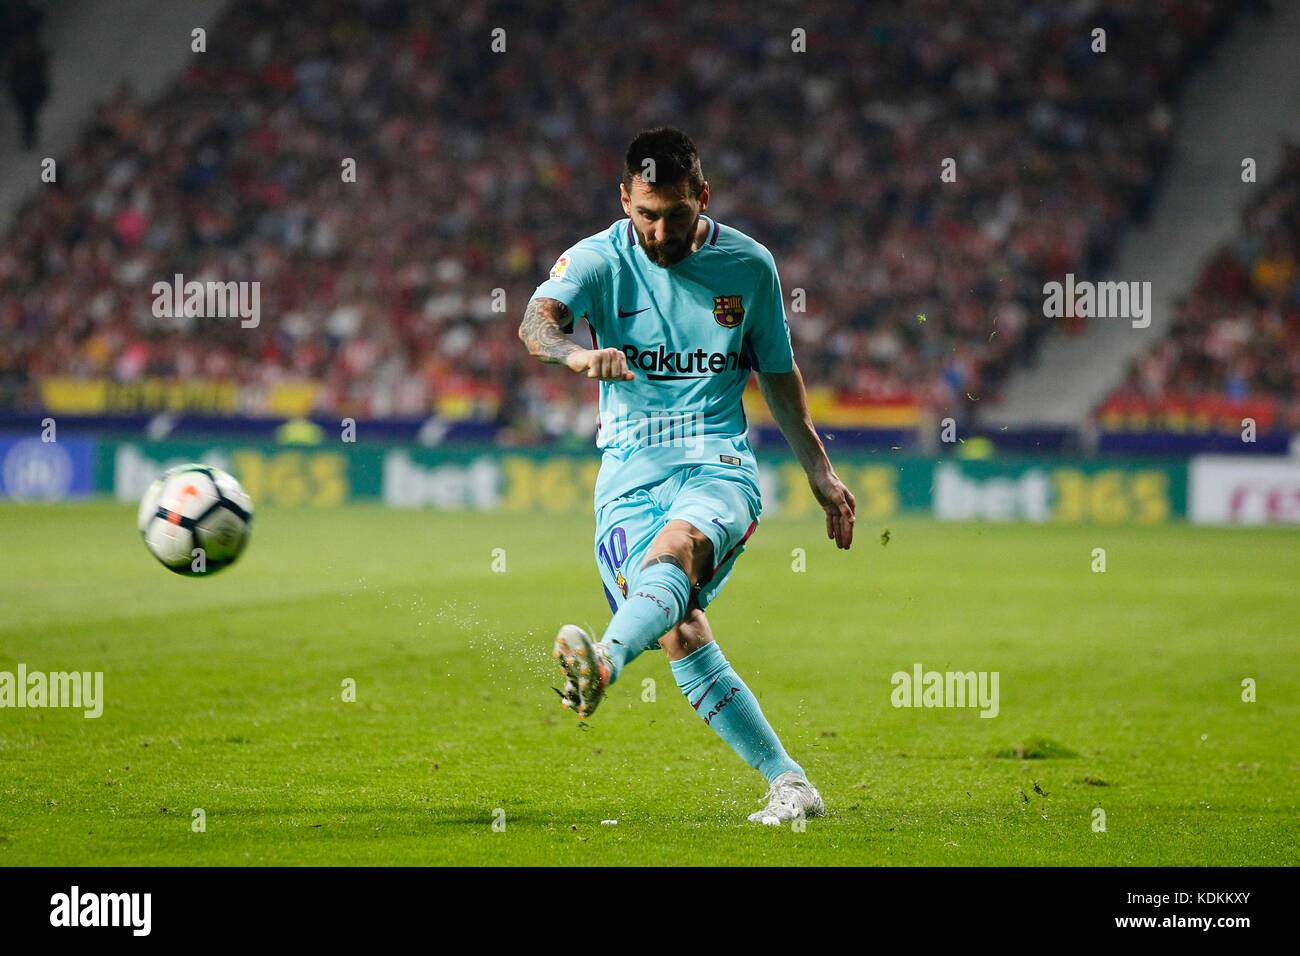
(586, 669)
(789, 797)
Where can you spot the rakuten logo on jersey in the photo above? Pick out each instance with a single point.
(661, 363)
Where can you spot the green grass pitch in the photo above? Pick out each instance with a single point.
(225, 695)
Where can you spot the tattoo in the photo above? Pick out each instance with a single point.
(542, 330)
(665, 559)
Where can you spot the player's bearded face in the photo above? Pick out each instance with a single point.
(665, 220)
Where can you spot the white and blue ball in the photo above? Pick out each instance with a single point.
(195, 519)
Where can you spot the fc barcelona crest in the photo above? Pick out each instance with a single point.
(728, 310)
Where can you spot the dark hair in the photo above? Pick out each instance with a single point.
(676, 159)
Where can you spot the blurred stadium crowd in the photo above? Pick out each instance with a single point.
(1237, 334)
(475, 170)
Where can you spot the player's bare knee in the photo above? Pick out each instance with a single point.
(685, 547)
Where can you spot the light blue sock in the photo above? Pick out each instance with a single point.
(727, 705)
(657, 602)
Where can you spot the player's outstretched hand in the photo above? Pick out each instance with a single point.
(604, 364)
(839, 504)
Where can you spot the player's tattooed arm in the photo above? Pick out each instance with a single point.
(542, 330)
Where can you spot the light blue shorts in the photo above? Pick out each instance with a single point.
(721, 500)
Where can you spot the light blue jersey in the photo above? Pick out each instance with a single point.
(692, 333)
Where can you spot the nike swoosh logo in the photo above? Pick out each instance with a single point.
(624, 315)
(696, 705)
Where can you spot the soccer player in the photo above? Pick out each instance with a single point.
(681, 310)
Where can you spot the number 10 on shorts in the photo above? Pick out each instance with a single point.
(613, 552)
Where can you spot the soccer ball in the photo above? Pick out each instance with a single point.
(195, 519)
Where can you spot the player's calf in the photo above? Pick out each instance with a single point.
(656, 603)
(724, 702)
(687, 637)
